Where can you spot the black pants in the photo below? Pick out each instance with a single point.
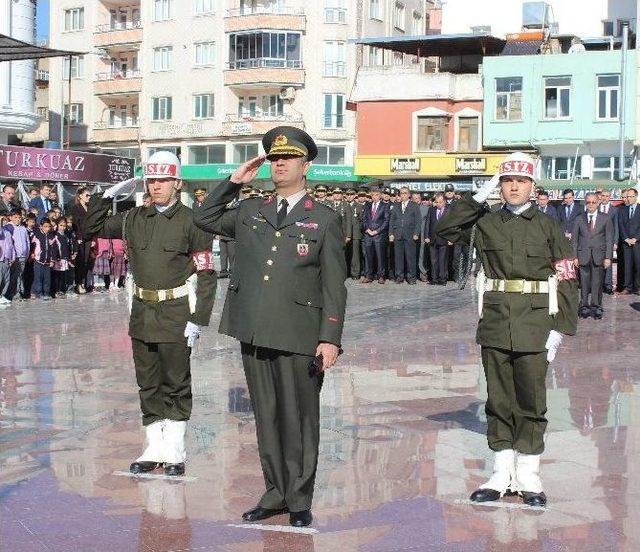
(375, 251)
(405, 257)
(631, 265)
(163, 373)
(355, 257)
(227, 255)
(591, 279)
(439, 263)
(516, 401)
(84, 265)
(460, 251)
(286, 405)
(59, 281)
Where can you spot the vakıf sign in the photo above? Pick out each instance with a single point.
(63, 165)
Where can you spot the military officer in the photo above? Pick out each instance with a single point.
(173, 290)
(342, 208)
(355, 247)
(321, 195)
(528, 299)
(198, 195)
(285, 304)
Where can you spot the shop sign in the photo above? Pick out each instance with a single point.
(471, 164)
(405, 165)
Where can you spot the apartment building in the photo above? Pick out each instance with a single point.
(40, 137)
(207, 78)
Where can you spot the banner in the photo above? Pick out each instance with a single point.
(63, 165)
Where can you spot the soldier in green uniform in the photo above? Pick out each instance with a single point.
(285, 304)
(340, 206)
(355, 246)
(321, 195)
(173, 292)
(527, 292)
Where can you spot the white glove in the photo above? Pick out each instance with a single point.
(191, 332)
(126, 187)
(485, 190)
(552, 344)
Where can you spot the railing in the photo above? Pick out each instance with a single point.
(119, 26)
(43, 75)
(118, 75)
(335, 69)
(105, 125)
(268, 63)
(264, 10)
(262, 117)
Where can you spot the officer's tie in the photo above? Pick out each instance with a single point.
(282, 211)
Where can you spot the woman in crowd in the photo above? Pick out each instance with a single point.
(83, 268)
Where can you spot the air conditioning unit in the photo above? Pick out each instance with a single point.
(288, 93)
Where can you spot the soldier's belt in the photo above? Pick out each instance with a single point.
(516, 286)
(159, 295)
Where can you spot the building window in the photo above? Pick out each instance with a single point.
(608, 96)
(561, 168)
(203, 106)
(244, 152)
(204, 6)
(77, 113)
(176, 150)
(247, 107)
(334, 11)
(77, 67)
(433, 133)
(557, 97)
(399, 16)
(607, 167)
(204, 155)
(607, 28)
(334, 59)
(43, 114)
(481, 29)
(333, 111)
(161, 108)
(272, 106)
(375, 56)
(509, 99)
(74, 19)
(134, 115)
(330, 155)
(162, 10)
(468, 134)
(257, 49)
(123, 115)
(112, 115)
(417, 28)
(398, 58)
(374, 10)
(163, 58)
(205, 53)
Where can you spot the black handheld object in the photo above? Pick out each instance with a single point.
(315, 366)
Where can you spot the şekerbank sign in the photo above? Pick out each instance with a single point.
(63, 165)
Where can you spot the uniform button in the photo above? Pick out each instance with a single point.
(254, 227)
(266, 278)
(278, 234)
(274, 248)
(309, 303)
(269, 262)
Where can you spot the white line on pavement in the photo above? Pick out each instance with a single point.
(156, 476)
(281, 528)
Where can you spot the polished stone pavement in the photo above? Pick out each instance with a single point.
(402, 438)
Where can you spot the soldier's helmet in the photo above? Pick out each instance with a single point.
(163, 164)
(518, 164)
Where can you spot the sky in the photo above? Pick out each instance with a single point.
(42, 19)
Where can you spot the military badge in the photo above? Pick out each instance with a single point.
(303, 249)
(308, 204)
(203, 260)
(565, 270)
(280, 140)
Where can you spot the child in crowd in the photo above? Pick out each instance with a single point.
(7, 256)
(42, 260)
(101, 267)
(22, 247)
(62, 253)
(118, 263)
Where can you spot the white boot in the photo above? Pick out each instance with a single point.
(154, 445)
(528, 477)
(502, 479)
(174, 449)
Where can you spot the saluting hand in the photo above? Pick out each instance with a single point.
(246, 172)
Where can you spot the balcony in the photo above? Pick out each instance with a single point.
(103, 132)
(109, 84)
(118, 34)
(264, 18)
(233, 125)
(264, 72)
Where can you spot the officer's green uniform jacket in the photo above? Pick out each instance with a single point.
(287, 289)
(344, 210)
(160, 248)
(510, 248)
(356, 220)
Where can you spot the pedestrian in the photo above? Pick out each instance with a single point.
(42, 260)
(42, 203)
(438, 247)
(375, 222)
(527, 299)
(102, 254)
(8, 201)
(173, 290)
(84, 259)
(7, 258)
(629, 227)
(404, 232)
(544, 206)
(22, 247)
(354, 247)
(568, 212)
(285, 304)
(610, 209)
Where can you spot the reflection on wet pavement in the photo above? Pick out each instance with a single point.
(402, 442)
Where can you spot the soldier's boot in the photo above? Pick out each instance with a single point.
(175, 452)
(153, 455)
(502, 481)
(528, 477)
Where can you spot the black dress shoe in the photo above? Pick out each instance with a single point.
(399, 281)
(597, 314)
(584, 312)
(412, 282)
(300, 519)
(144, 467)
(534, 499)
(485, 495)
(174, 469)
(258, 513)
(608, 291)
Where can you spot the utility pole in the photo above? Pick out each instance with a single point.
(623, 82)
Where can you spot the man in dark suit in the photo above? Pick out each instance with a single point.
(438, 247)
(568, 212)
(544, 206)
(629, 227)
(43, 202)
(8, 198)
(593, 248)
(404, 232)
(610, 209)
(376, 233)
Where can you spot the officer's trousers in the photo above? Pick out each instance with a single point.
(355, 258)
(227, 255)
(517, 399)
(163, 373)
(286, 405)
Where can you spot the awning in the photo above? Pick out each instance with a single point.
(14, 50)
(436, 45)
